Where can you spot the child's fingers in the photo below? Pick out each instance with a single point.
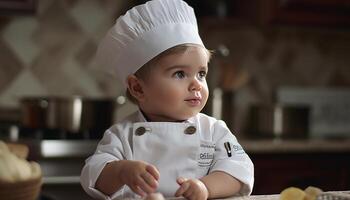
(138, 190)
(189, 193)
(181, 180)
(153, 171)
(142, 184)
(150, 180)
(183, 188)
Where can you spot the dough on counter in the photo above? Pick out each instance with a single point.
(292, 193)
(312, 192)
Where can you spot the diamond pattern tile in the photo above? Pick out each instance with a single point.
(89, 15)
(82, 83)
(10, 65)
(48, 69)
(25, 84)
(57, 29)
(18, 36)
(86, 53)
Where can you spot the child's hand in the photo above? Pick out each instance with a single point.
(192, 189)
(141, 177)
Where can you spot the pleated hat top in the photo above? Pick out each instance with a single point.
(144, 32)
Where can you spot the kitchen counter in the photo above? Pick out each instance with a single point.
(342, 195)
(296, 146)
(257, 197)
(252, 197)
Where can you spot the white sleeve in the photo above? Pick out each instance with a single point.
(110, 148)
(235, 161)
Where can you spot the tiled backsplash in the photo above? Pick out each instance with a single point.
(50, 53)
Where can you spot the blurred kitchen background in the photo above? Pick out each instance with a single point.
(279, 77)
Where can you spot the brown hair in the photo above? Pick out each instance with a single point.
(145, 70)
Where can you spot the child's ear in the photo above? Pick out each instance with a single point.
(135, 87)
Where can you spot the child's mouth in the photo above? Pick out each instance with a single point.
(193, 102)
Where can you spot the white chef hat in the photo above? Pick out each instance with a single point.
(144, 32)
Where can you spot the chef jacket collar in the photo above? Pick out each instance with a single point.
(142, 118)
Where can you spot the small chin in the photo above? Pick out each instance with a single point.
(190, 113)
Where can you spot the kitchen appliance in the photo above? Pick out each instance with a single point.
(278, 121)
(330, 109)
(74, 117)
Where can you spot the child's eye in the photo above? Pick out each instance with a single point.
(179, 74)
(202, 74)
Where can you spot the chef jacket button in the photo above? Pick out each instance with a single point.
(140, 131)
(190, 130)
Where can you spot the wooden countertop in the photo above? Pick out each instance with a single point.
(345, 195)
(252, 197)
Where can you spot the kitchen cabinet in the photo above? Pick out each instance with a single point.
(334, 13)
(277, 171)
(17, 6)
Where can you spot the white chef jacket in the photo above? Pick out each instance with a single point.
(190, 149)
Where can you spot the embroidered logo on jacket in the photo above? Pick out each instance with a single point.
(206, 154)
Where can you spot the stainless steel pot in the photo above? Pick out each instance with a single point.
(284, 121)
(73, 114)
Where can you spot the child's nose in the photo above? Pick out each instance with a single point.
(195, 85)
